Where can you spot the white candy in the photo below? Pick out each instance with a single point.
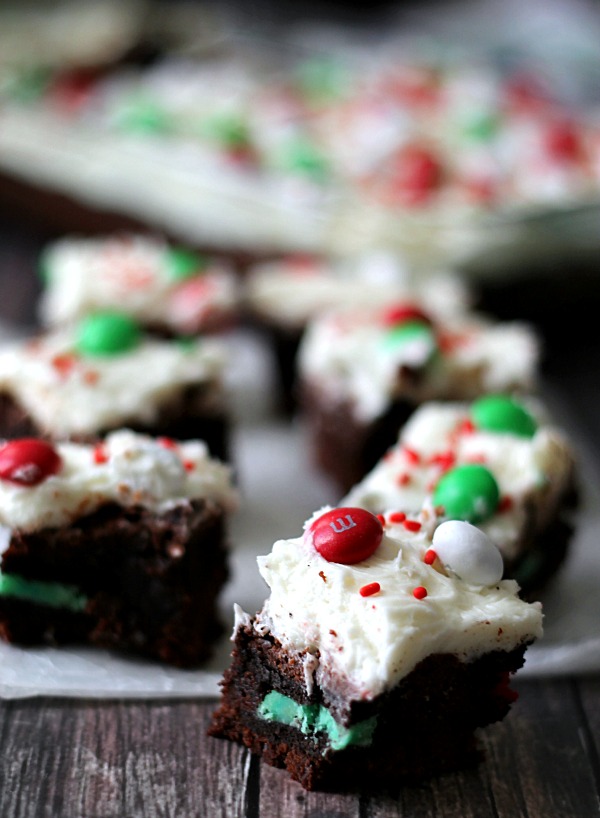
(468, 552)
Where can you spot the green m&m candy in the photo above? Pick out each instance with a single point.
(468, 492)
(498, 413)
(181, 264)
(482, 127)
(417, 334)
(303, 157)
(107, 333)
(229, 129)
(143, 116)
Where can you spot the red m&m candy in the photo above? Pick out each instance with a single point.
(28, 461)
(346, 535)
(401, 313)
(415, 174)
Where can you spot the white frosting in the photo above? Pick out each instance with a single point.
(291, 291)
(532, 473)
(369, 643)
(129, 273)
(345, 357)
(133, 470)
(96, 393)
(183, 181)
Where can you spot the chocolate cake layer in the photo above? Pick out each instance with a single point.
(343, 447)
(194, 413)
(149, 581)
(423, 726)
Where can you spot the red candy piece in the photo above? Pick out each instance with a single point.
(400, 313)
(563, 142)
(346, 535)
(28, 461)
(416, 173)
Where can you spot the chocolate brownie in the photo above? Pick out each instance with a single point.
(374, 660)
(362, 371)
(104, 373)
(120, 545)
(499, 462)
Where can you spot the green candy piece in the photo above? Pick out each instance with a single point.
(145, 117)
(320, 79)
(468, 492)
(228, 129)
(107, 333)
(304, 158)
(408, 332)
(311, 719)
(499, 413)
(482, 128)
(28, 85)
(182, 264)
(52, 594)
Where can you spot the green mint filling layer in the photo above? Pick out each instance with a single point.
(311, 719)
(53, 594)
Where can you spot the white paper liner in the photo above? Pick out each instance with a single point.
(280, 490)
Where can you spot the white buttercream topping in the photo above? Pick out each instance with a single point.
(128, 469)
(68, 394)
(293, 290)
(130, 273)
(345, 355)
(371, 642)
(181, 176)
(532, 473)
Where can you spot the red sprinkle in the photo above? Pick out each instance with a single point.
(505, 504)
(445, 460)
(381, 518)
(477, 458)
(64, 364)
(189, 465)
(370, 589)
(429, 557)
(412, 525)
(403, 479)
(401, 313)
(467, 427)
(91, 377)
(100, 454)
(167, 442)
(397, 517)
(411, 455)
(419, 592)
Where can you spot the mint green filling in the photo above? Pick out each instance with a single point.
(311, 719)
(53, 594)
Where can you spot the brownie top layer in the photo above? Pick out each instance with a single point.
(292, 290)
(368, 602)
(532, 464)
(43, 486)
(158, 284)
(69, 389)
(370, 356)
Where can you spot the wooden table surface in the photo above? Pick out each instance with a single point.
(87, 759)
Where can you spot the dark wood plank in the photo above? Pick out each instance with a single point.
(92, 760)
(279, 797)
(127, 759)
(537, 763)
